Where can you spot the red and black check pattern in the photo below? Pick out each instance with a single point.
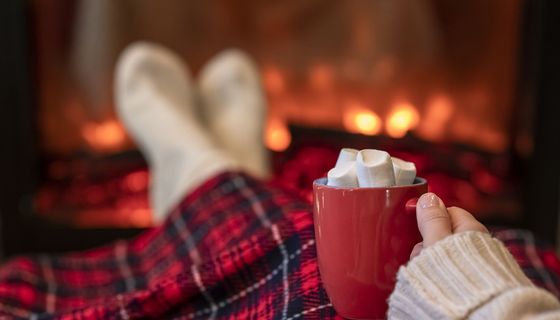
(234, 249)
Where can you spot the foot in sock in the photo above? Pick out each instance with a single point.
(154, 99)
(234, 109)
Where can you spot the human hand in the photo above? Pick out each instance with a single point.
(436, 222)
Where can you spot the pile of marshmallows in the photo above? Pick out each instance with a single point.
(370, 168)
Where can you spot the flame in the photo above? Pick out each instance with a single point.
(403, 118)
(105, 136)
(439, 111)
(359, 119)
(491, 139)
(136, 181)
(385, 68)
(273, 80)
(321, 77)
(464, 129)
(277, 136)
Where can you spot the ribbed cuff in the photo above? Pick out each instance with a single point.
(454, 277)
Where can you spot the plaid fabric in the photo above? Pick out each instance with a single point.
(538, 260)
(234, 249)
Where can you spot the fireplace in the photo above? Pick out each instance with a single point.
(449, 83)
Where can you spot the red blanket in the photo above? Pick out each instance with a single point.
(235, 248)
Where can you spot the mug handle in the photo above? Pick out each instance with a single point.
(410, 206)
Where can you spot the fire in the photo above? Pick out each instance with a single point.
(277, 136)
(321, 77)
(403, 118)
(105, 136)
(491, 139)
(359, 119)
(273, 80)
(136, 181)
(438, 114)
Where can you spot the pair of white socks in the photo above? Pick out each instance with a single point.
(187, 140)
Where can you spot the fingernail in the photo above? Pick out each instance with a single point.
(429, 200)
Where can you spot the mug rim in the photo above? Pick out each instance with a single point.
(322, 182)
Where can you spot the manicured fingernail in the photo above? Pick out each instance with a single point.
(429, 200)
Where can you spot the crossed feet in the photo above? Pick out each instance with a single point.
(187, 131)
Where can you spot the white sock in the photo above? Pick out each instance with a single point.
(235, 109)
(154, 99)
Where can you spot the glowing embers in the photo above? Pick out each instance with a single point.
(106, 136)
(436, 120)
(359, 119)
(273, 80)
(321, 77)
(86, 200)
(277, 136)
(402, 118)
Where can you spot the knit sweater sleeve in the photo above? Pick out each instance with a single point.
(469, 275)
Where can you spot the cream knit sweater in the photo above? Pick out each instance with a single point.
(469, 275)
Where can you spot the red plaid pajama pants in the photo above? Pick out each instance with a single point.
(233, 249)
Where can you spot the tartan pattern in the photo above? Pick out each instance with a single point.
(234, 249)
(538, 260)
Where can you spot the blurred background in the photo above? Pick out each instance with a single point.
(464, 89)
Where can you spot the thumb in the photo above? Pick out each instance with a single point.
(462, 220)
(433, 220)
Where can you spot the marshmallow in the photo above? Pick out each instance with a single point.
(343, 175)
(374, 168)
(346, 155)
(405, 172)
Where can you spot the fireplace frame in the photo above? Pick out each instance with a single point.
(21, 231)
(538, 86)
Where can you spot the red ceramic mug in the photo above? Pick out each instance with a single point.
(363, 236)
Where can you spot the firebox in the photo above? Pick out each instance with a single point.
(451, 85)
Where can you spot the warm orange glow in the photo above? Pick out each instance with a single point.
(105, 136)
(401, 119)
(491, 139)
(277, 136)
(385, 68)
(359, 119)
(321, 77)
(464, 129)
(136, 181)
(273, 80)
(471, 131)
(438, 113)
(139, 217)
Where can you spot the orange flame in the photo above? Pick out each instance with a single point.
(403, 118)
(273, 80)
(438, 113)
(277, 136)
(359, 119)
(136, 181)
(321, 77)
(491, 139)
(105, 136)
